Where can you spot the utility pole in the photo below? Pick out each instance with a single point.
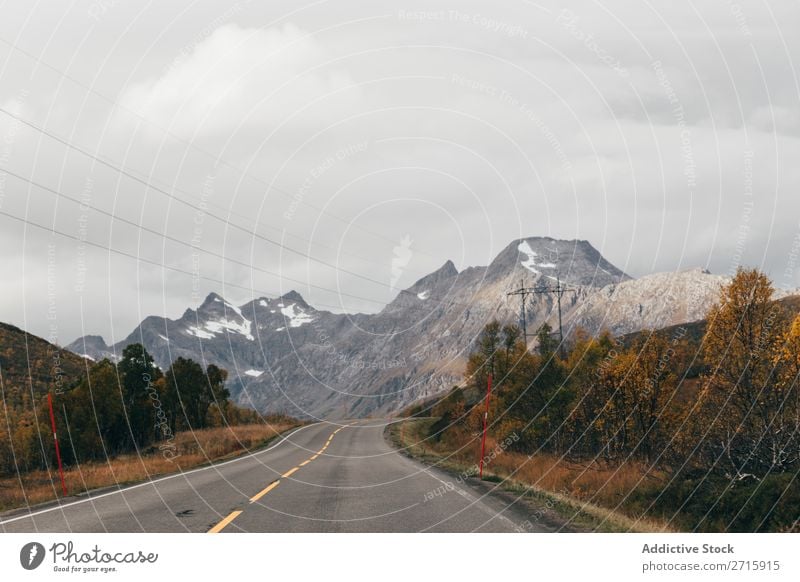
(558, 290)
(523, 292)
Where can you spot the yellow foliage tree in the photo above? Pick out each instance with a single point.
(745, 419)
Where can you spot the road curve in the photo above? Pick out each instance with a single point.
(320, 478)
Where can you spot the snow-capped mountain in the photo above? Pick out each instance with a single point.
(284, 355)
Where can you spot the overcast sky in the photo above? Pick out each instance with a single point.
(365, 132)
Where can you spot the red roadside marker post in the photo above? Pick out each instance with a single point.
(485, 419)
(55, 439)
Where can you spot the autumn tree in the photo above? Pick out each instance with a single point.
(546, 343)
(501, 351)
(482, 360)
(452, 414)
(784, 435)
(541, 397)
(743, 403)
(6, 452)
(95, 422)
(652, 384)
(587, 365)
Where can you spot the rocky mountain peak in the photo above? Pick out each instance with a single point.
(210, 300)
(294, 297)
(95, 341)
(215, 316)
(573, 261)
(446, 271)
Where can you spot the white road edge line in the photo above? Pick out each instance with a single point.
(153, 482)
(473, 500)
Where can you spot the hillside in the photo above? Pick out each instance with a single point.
(693, 331)
(31, 365)
(29, 368)
(659, 300)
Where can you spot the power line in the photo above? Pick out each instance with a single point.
(191, 145)
(199, 209)
(147, 184)
(181, 242)
(542, 289)
(265, 225)
(188, 204)
(138, 258)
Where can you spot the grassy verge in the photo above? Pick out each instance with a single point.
(579, 497)
(192, 449)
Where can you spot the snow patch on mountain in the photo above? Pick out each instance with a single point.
(424, 295)
(223, 325)
(210, 328)
(530, 263)
(199, 332)
(296, 315)
(254, 373)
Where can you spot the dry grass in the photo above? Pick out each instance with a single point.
(596, 495)
(192, 449)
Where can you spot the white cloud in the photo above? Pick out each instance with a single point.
(238, 78)
(781, 120)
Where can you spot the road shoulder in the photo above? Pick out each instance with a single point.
(122, 486)
(542, 510)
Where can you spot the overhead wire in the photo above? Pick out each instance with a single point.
(219, 160)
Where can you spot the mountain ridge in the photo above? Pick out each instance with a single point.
(284, 355)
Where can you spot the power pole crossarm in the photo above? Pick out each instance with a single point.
(558, 290)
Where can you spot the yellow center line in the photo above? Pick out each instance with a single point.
(234, 514)
(264, 491)
(221, 525)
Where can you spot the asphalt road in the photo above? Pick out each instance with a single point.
(319, 478)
